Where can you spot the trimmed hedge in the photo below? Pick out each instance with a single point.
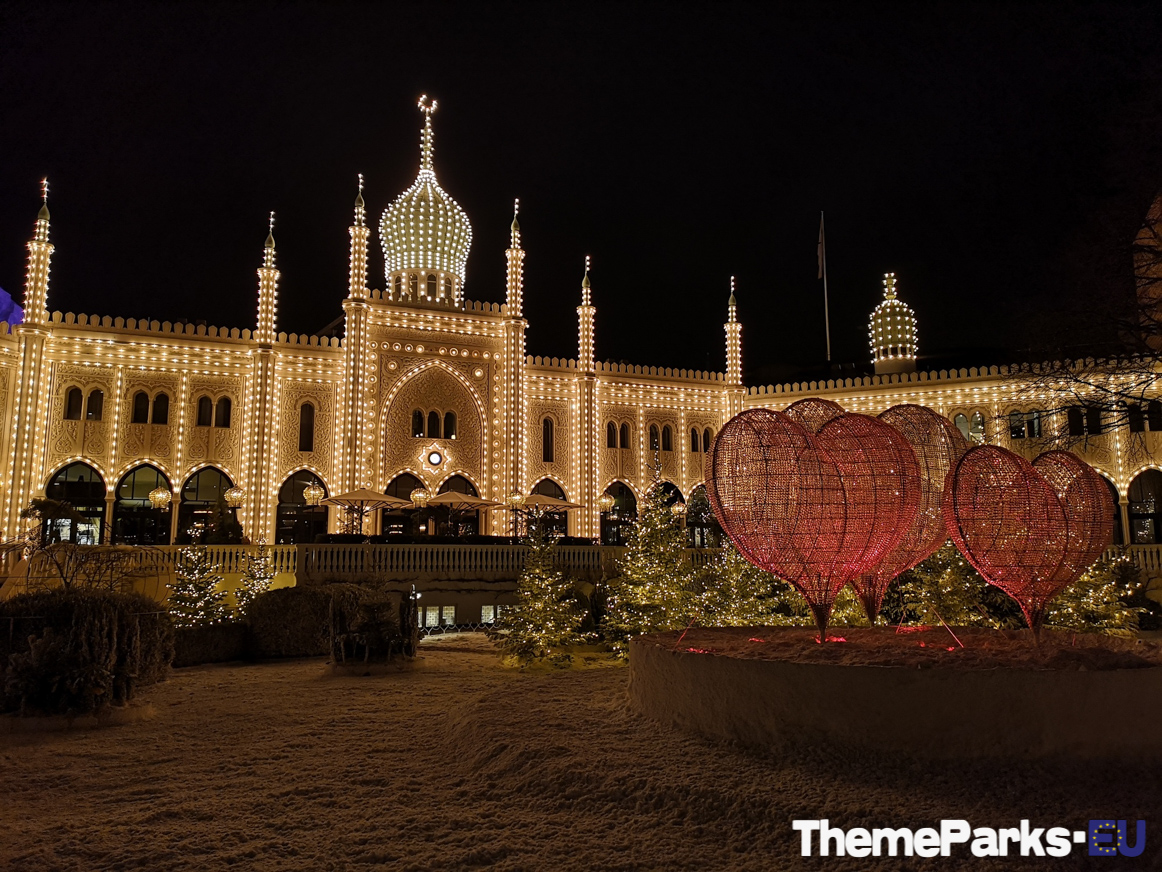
(77, 651)
(296, 621)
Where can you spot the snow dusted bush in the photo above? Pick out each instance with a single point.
(79, 651)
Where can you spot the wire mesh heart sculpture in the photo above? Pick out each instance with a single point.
(937, 445)
(1029, 530)
(815, 510)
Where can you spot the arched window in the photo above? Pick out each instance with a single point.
(1154, 415)
(547, 440)
(615, 523)
(161, 409)
(417, 424)
(433, 425)
(205, 411)
(82, 487)
(1093, 421)
(557, 522)
(623, 436)
(447, 287)
(202, 500)
(961, 422)
(706, 439)
(654, 442)
(307, 427)
(458, 484)
(222, 412)
(1016, 425)
(95, 407)
(461, 520)
(1033, 424)
(694, 443)
(413, 285)
(1146, 508)
(135, 520)
(667, 438)
(1135, 418)
(976, 428)
(449, 425)
(296, 522)
(401, 522)
(610, 435)
(398, 286)
(140, 408)
(1075, 421)
(431, 285)
(73, 400)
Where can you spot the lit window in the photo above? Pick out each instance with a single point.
(447, 615)
(487, 614)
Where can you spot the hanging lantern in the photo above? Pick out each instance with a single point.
(160, 497)
(515, 500)
(313, 494)
(605, 502)
(420, 496)
(678, 509)
(234, 497)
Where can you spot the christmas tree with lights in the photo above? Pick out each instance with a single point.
(195, 597)
(546, 617)
(257, 573)
(1101, 600)
(654, 590)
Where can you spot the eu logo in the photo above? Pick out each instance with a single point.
(1110, 838)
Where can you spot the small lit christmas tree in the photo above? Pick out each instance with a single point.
(195, 598)
(545, 617)
(1101, 600)
(654, 589)
(731, 591)
(946, 587)
(257, 573)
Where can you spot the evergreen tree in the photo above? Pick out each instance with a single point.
(545, 617)
(1100, 600)
(257, 573)
(653, 591)
(731, 591)
(195, 597)
(946, 587)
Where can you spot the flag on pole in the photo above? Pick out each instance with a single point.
(820, 251)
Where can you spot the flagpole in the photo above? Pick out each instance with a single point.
(823, 270)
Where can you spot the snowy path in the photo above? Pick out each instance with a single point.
(461, 764)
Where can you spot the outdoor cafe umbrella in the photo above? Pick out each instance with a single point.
(457, 503)
(360, 502)
(548, 504)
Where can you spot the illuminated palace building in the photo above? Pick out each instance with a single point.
(144, 427)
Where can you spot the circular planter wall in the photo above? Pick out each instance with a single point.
(941, 711)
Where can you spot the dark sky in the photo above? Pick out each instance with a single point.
(998, 157)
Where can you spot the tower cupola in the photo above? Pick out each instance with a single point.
(425, 236)
(892, 332)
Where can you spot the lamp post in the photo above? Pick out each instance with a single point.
(313, 494)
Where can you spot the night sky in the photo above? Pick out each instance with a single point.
(998, 159)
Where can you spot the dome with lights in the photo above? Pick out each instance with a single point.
(425, 235)
(892, 331)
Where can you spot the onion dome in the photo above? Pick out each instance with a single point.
(892, 330)
(425, 230)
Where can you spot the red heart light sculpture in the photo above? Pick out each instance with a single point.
(813, 412)
(1010, 524)
(937, 445)
(882, 485)
(1089, 510)
(816, 511)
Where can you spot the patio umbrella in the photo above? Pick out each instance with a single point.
(365, 499)
(548, 504)
(458, 502)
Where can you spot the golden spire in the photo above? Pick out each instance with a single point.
(44, 197)
(426, 141)
(359, 205)
(515, 224)
(268, 258)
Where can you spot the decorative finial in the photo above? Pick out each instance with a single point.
(585, 280)
(732, 302)
(360, 183)
(426, 140)
(269, 259)
(44, 198)
(359, 202)
(425, 107)
(515, 224)
(271, 222)
(889, 286)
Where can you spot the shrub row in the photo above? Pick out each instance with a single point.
(77, 651)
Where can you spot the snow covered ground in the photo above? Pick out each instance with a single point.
(460, 764)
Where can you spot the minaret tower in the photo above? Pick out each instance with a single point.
(587, 428)
(33, 391)
(510, 405)
(351, 469)
(263, 415)
(733, 355)
(892, 332)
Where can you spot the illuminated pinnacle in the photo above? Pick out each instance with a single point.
(515, 224)
(585, 280)
(426, 141)
(889, 286)
(732, 302)
(44, 198)
(268, 258)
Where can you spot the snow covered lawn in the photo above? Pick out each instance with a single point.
(460, 764)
